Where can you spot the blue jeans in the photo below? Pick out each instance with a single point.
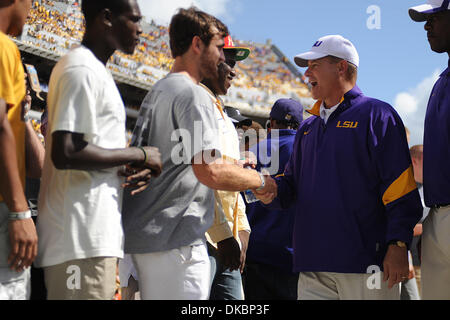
(264, 282)
(225, 284)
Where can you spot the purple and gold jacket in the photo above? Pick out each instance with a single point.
(352, 182)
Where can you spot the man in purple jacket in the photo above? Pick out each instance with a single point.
(436, 157)
(350, 176)
(268, 274)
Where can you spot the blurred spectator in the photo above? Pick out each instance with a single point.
(417, 162)
(251, 135)
(269, 273)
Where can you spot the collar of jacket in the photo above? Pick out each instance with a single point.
(348, 97)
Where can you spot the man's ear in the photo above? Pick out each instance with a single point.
(342, 67)
(197, 45)
(106, 16)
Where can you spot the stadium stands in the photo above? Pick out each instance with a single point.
(56, 26)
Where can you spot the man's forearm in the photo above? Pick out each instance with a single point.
(96, 158)
(71, 152)
(227, 177)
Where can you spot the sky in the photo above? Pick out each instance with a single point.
(396, 62)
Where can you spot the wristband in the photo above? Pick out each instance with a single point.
(145, 154)
(15, 216)
(263, 181)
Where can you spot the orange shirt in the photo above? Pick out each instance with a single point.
(12, 90)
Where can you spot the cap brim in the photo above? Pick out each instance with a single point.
(422, 12)
(302, 59)
(240, 120)
(241, 53)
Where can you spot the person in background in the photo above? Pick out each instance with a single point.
(417, 161)
(409, 289)
(269, 270)
(35, 154)
(252, 135)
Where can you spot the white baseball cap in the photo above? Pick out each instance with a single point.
(333, 45)
(421, 13)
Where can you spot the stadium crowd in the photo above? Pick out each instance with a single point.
(323, 208)
(58, 26)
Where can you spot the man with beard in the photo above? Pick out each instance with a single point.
(165, 225)
(226, 262)
(79, 221)
(435, 266)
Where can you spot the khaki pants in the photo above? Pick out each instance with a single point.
(435, 265)
(85, 279)
(345, 286)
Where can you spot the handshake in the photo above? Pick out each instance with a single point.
(269, 192)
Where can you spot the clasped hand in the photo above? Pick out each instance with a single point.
(269, 192)
(138, 177)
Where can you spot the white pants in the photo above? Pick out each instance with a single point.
(345, 286)
(15, 285)
(178, 274)
(436, 255)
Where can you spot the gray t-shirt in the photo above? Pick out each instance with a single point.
(177, 116)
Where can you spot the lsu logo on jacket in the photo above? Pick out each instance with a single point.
(347, 124)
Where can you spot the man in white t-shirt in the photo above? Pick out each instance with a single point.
(79, 222)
